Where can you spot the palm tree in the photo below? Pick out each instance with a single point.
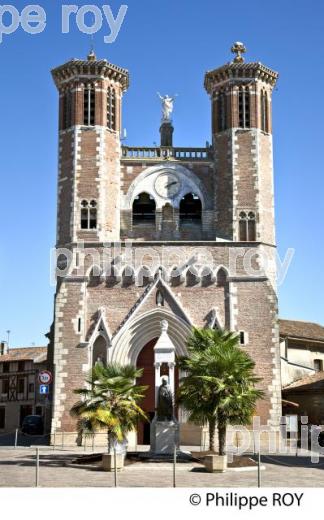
(110, 401)
(219, 386)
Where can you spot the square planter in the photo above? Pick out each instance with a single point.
(215, 463)
(108, 461)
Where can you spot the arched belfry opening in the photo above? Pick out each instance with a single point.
(190, 208)
(144, 209)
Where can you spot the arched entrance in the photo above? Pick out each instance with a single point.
(145, 361)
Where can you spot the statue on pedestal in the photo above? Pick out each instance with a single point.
(165, 402)
(167, 106)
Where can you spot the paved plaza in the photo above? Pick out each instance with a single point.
(17, 469)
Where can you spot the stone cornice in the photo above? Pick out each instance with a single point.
(239, 71)
(86, 69)
(171, 243)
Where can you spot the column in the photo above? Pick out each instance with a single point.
(171, 376)
(157, 381)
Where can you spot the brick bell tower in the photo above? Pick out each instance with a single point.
(240, 95)
(89, 149)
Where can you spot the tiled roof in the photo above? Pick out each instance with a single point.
(36, 354)
(301, 329)
(315, 380)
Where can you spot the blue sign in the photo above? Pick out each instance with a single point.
(43, 389)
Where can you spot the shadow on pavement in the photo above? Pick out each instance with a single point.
(292, 461)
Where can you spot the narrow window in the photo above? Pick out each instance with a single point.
(244, 108)
(5, 367)
(89, 106)
(5, 386)
(251, 227)
(31, 388)
(241, 107)
(21, 386)
(111, 108)
(318, 365)
(222, 112)
(247, 119)
(242, 337)
(21, 366)
(266, 107)
(84, 214)
(79, 324)
(88, 214)
(93, 215)
(67, 110)
(247, 227)
(243, 227)
(264, 111)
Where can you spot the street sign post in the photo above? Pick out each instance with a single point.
(45, 377)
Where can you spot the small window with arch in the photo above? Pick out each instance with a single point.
(67, 110)
(247, 226)
(88, 214)
(89, 106)
(111, 108)
(264, 111)
(222, 111)
(244, 107)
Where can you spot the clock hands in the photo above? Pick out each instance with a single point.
(171, 184)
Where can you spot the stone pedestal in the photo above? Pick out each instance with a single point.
(108, 461)
(166, 131)
(164, 434)
(215, 463)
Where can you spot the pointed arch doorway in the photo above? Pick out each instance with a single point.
(145, 360)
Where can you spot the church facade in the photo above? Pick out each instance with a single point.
(163, 234)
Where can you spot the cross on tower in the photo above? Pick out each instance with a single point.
(92, 55)
(238, 48)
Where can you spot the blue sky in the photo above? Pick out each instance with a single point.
(167, 46)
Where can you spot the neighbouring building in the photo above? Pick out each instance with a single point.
(19, 387)
(152, 233)
(302, 360)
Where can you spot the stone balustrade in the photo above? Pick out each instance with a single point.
(163, 152)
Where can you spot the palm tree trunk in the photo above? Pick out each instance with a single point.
(211, 425)
(222, 426)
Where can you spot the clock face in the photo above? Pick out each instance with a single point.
(167, 185)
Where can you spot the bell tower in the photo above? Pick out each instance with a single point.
(89, 149)
(241, 95)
